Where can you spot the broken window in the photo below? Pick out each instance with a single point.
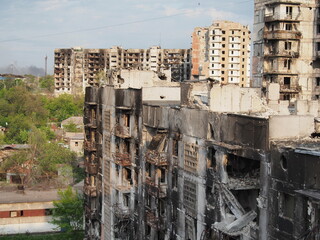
(318, 29)
(242, 167)
(288, 26)
(127, 175)
(212, 158)
(163, 175)
(287, 81)
(286, 205)
(318, 81)
(287, 64)
(318, 46)
(162, 207)
(287, 45)
(126, 199)
(289, 10)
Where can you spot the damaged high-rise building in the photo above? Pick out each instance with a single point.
(286, 47)
(198, 160)
(222, 52)
(77, 68)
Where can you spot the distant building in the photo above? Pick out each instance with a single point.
(77, 121)
(76, 68)
(74, 141)
(28, 212)
(286, 47)
(222, 52)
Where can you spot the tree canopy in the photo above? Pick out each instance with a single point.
(68, 211)
(22, 109)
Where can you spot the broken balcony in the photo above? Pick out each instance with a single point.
(157, 158)
(91, 123)
(121, 211)
(90, 146)
(282, 34)
(122, 131)
(92, 168)
(243, 173)
(155, 221)
(90, 191)
(158, 190)
(123, 159)
(282, 17)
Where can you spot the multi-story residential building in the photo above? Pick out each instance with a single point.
(76, 68)
(214, 162)
(222, 52)
(286, 36)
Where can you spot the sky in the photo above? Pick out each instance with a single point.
(32, 29)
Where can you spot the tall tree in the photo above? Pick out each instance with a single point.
(68, 211)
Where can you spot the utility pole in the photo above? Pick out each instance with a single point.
(45, 67)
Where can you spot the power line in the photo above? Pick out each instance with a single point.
(98, 28)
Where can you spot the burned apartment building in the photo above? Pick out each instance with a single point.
(199, 160)
(77, 68)
(286, 47)
(222, 52)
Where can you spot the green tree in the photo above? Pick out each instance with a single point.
(64, 106)
(68, 211)
(47, 83)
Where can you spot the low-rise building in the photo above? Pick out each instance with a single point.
(27, 212)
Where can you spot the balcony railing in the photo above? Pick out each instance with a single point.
(90, 146)
(122, 131)
(282, 17)
(293, 54)
(157, 190)
(155, 221)
(123, 159)
(92, 168)
(121, 211)
(92, 123)
(282, 34)
(157, 158)
(90, 191)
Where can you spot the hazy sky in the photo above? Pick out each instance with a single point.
(31, 29)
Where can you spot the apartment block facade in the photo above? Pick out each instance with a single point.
(286, 36)
(222, 52)
(77, 68)
(198, 167)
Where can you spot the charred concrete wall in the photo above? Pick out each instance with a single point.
(294, 175)
(171, 171)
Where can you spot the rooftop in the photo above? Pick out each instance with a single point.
(28, 196)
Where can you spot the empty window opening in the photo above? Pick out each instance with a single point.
(241, 167)
(286, 205)
(247, 198)
(287, 64)
(318, 81)
(287, 45)
(126, 200)
(287, 81)
(284, 163)
(212, 159)
(289, 10)
(288, 26)
(163, 175)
